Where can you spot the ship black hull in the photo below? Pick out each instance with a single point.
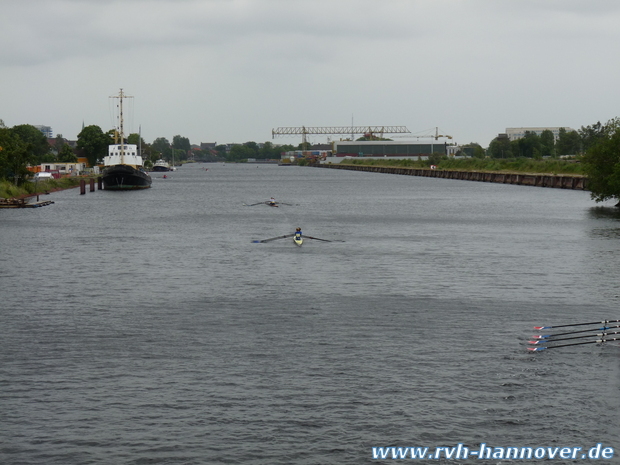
(161, 168)
(124, 178)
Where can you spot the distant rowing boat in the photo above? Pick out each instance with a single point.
(269, 203)
(297, 238)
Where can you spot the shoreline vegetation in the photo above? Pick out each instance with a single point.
(573, 167)
(8, 190)
(509, 166)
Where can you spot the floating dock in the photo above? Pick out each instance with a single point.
(21, 203)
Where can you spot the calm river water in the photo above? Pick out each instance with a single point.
(146, 327)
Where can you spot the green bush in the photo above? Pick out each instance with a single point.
(9, 190)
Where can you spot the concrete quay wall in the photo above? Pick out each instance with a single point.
(536, 180)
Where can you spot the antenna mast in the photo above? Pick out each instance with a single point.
(121, 96)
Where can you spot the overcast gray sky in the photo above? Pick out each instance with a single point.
(232, 70)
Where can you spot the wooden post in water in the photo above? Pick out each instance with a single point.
(92, 184)
(99, 183)
(82, 186)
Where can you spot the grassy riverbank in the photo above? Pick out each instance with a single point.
(9, 190)
(517, 165)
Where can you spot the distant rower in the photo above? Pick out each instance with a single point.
(297, 237)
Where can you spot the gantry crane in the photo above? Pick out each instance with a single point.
(366, 130)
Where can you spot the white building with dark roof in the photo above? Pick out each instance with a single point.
(519, 133)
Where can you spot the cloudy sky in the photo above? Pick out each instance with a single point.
(232, 70)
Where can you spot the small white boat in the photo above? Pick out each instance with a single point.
(161, 165)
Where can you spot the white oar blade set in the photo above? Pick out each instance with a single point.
(597, 335)
(267, 202)
(291, 235)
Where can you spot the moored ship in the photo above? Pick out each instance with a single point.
(123, 166)
(161, 165)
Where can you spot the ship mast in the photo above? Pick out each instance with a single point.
(121, 96)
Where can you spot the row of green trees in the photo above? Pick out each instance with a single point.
(597, 146)
(537, 146)
(24, 145)
(252, 150)
(181, 148)
(93, 142)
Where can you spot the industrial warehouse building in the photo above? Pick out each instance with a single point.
(377, 149)
(381, 148)
(392, 149)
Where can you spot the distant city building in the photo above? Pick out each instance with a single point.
(208, 145)
(46, 130)
(519, 133)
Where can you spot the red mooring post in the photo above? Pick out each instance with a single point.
(82, 187)
(92, 184)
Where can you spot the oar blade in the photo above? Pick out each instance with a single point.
(599, 335)
(324, 240)
(273, 238)
(550, 336)
(598, 341)
(604, 322)
(317, 238)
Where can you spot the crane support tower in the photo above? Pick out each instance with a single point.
(373, 130)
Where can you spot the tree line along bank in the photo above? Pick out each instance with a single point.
(595, 147)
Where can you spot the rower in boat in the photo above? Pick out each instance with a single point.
(270, 203)
(297, 237)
